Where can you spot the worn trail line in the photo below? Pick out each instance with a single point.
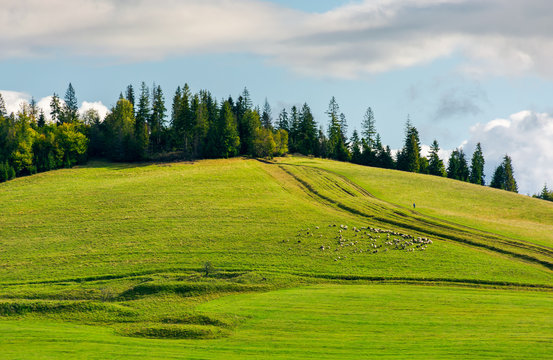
(398, 216)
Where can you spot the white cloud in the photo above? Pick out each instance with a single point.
(494, 36)
(14, 101)
(526, 137)
(97, 105)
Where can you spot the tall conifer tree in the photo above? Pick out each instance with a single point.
(477, 166)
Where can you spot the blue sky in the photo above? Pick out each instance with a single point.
(465, 71)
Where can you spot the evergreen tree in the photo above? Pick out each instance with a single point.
(510, 183)
(56, 109)
(435, 164)
(283, 123)
(355, 148)
(477, 166)
(3, 111)
(294, 134)
(228, 134)
(142, 119)
(41, 119)
(322, 144)
(457, 167)
(157, 119)
(336, 138)
(129, 95)
(545, 194)
(369, 128)
(33, 112)
(182, 120)
(70, 112)
(408, 159)
(266, 117)
(306, 138)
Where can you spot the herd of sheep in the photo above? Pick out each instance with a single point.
(342, 239)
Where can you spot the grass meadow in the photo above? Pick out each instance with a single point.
(308, 258)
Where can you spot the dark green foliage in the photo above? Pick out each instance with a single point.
(208, 268)
(129, 95)
(322, 144)
(457, 167)
(545, 194)
(355, 148)
(337, 146)
(306, 137)
(435, 164)
(119, 133)
(41, 119)
(369, 128)
(142, 119)
(56, 109)
(408, 159)
(157, 119)
(266, 116)
(283, 122)
(477, 167)
(229, 141)
(503, 177)
(294, 133)
(3, 111)
(70, 111)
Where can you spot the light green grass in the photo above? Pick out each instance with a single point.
(116, 251)
(327, 322)
(483, 208)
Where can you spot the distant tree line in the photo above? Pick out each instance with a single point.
(139, 127)
(545, 194)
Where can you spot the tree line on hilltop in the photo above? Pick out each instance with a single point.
(139, 127)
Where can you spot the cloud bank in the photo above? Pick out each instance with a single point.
(371, 36)
(526, 137)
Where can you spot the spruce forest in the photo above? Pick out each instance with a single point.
(141, 128)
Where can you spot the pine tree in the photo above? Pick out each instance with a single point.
(41, 119)
(142, 119)
(369, 128)
(55, 109)
(503, 177)
(70, 112)
(510, 182)
(355, 148)
(408, 159)
(157, 118)
(457, 167)
(228, 134)
(306, 138)
(293, 136)
(130, 95)
(435, 164)
(266, 117)
(283, 123)
(477, 167)
(3, 111)
(336, 138)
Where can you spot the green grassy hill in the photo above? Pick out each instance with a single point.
(108, 260)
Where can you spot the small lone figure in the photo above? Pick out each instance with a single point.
(414, 206)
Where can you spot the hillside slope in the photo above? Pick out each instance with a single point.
(137, 247)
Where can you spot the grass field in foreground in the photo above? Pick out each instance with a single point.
(96, 260)
(327, 322)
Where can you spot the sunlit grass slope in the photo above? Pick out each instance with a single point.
(497, 211)
(117, 220)
(107, 260)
